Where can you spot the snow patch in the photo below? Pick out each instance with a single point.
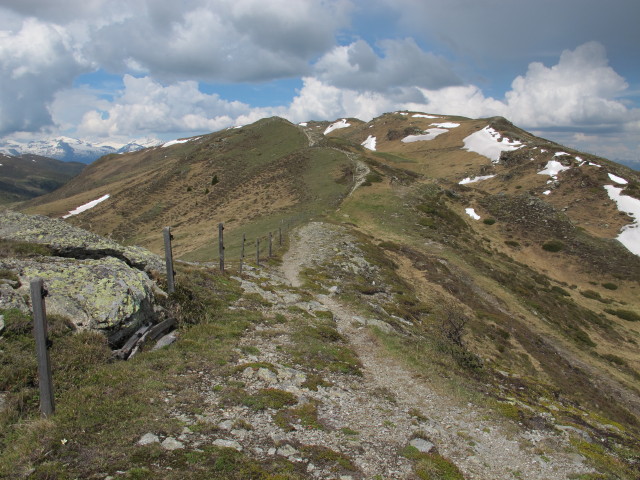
(472, 213)
(429, 134)
(303, 124)
(446, 125)
(546, 192)
(487, 142)
(618, 180)
(423, 115)
(174, 142)
(475, 179)
(339, 124)
(629, 236)
(370, 143)
(553, 168)
(560, 154)
(594, 165)
(86, 206)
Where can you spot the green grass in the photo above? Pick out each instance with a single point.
(82, 438)
(320, 346)
(432, 466)
(305, 415)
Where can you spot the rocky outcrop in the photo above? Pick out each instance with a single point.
(93, 281)
(105, 294)
(68, 241)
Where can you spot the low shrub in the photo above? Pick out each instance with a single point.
(553, 246)
(628, 315)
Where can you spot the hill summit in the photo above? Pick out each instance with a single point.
(451, 298)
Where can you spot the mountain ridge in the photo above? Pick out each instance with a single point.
(477, 258)
(72, 149)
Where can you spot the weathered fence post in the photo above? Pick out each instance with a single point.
(38, 293)
(168, 258)
(258, 251)
(221, 245)
(280, 235)
(244, 238)
(270, 244)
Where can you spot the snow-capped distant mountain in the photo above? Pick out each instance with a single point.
(72, 149)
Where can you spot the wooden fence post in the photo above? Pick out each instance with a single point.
(258, 251)
(221, 245)
(244, 239)
(270, 244)
(168, 258)
(38, 293)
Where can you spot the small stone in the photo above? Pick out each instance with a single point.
(271, 451)
(148, 438)
(226, 424)
(287, 451)
(422, 445)
(247, 372)
(267, 375)
(165, 341)
(220, 442)
(171, 443)
(1, 323)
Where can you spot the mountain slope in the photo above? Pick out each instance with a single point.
(257, 175)
(71, 149)
(28, 176)
(479, 259)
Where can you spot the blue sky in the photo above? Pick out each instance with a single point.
(115, 70)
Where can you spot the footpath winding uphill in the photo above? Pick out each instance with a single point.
(481, 448)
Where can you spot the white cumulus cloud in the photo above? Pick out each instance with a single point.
(36, 60)
(146, 106)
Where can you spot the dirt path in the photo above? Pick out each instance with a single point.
(482, 447)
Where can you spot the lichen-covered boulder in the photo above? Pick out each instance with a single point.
(104, 294)
(69, 241)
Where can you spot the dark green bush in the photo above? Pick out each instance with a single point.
(553, 246)
(628, 315)
(560, 291)
(489, 221)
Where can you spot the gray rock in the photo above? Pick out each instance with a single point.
(1, 324)
(226, 425)
(165, 341)
(171, 443)
(267, 375)
(148, 438)
(69, 241)
(422, 445)
(220, 442)
(105, 295)
(11, 298)
(287, 451)
(568, 429)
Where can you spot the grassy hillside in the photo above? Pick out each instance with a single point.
(254, 177)
(28, 176)
(530, 311)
